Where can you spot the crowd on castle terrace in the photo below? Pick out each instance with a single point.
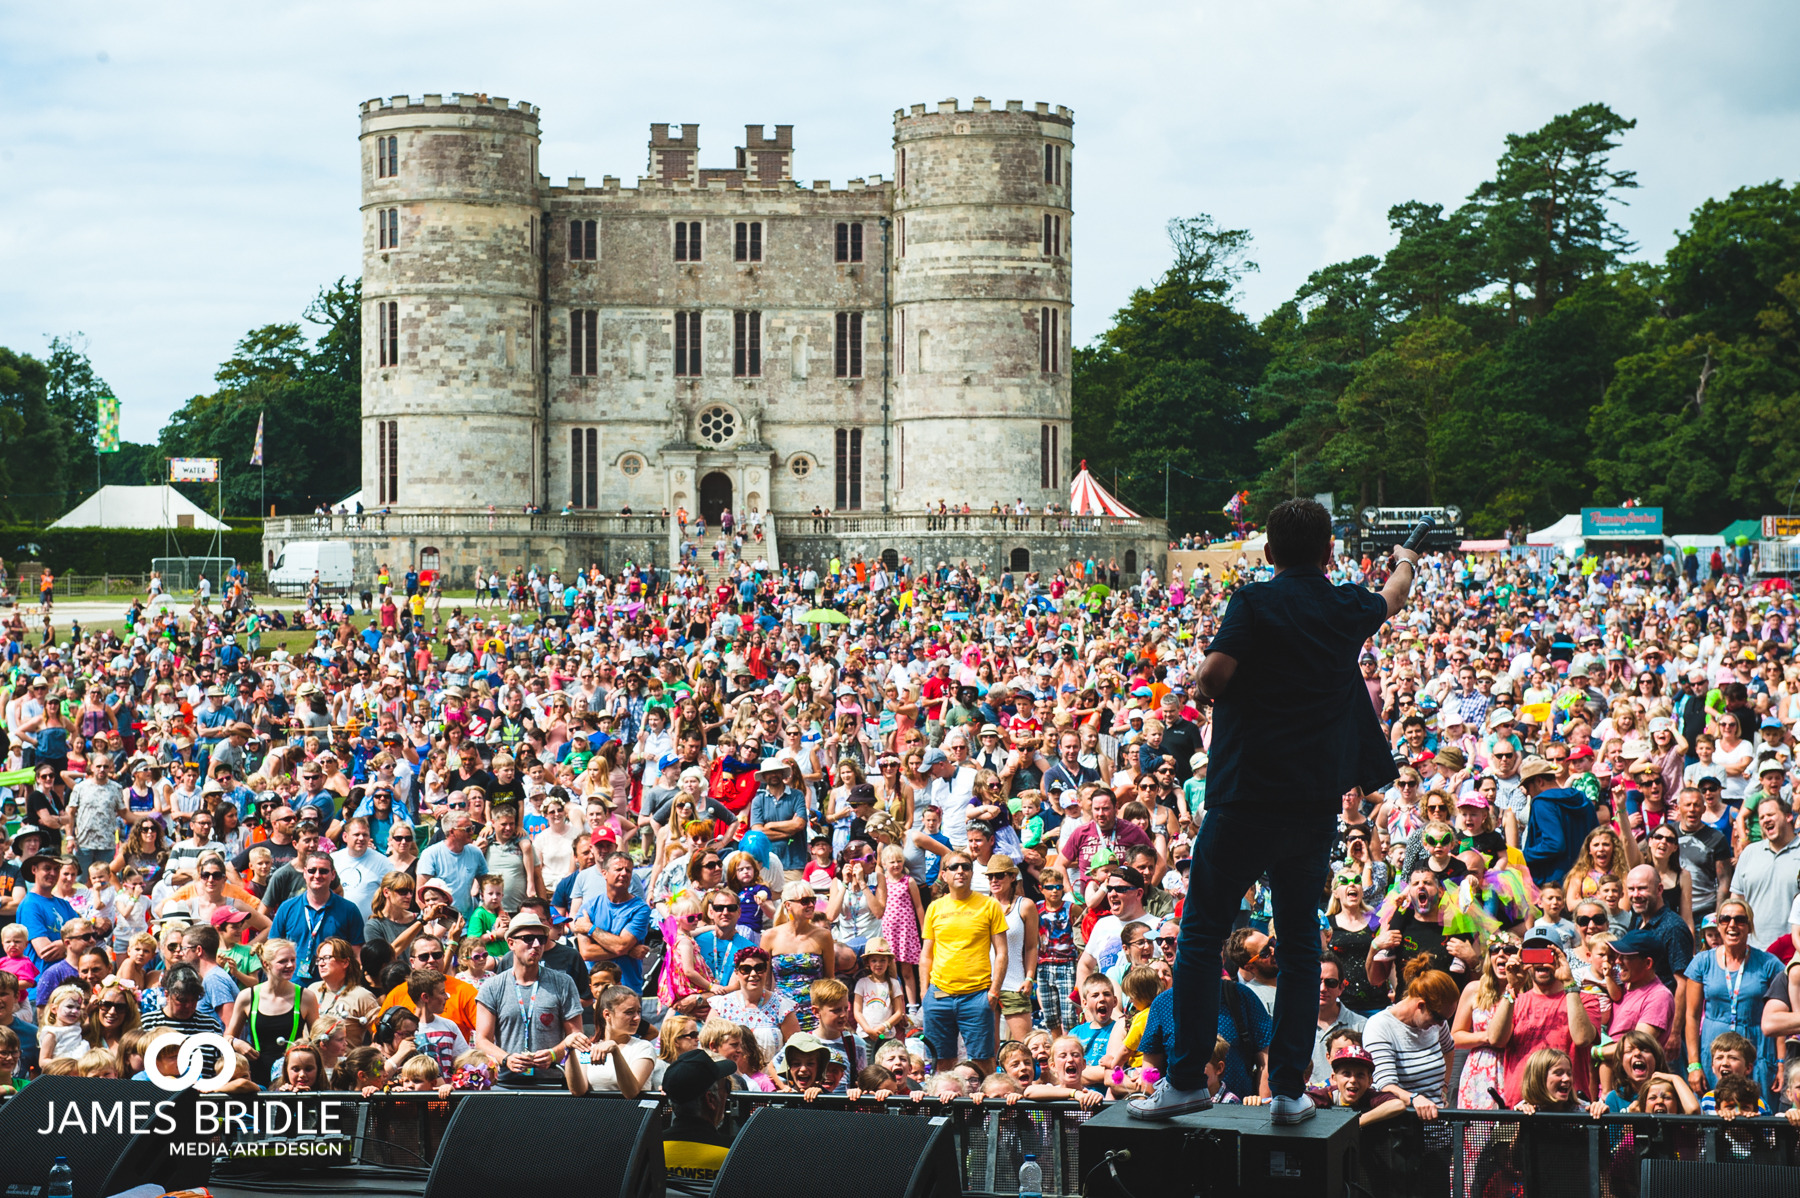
(915, 833)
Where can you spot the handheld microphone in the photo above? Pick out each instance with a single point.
(1420, 531)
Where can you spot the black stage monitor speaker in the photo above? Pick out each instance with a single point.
(779, 1148)
(551, 1143)
(90, 1121)
(1697, 1179)
(1227, 1151)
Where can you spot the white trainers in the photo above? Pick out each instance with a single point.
(1166, 1102)
(1287, 1111)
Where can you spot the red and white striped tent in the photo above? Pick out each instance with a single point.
(1088, 498)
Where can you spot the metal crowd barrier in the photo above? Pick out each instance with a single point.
(1463, 1154)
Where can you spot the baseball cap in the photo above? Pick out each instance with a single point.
(693, 1073)
(933, 756)
(1353, 1052)
(224, 915)
(1540, 942)
(1637, 943)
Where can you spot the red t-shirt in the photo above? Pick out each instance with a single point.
(1088, 839)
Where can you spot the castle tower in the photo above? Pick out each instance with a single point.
(981, 305)
(452, 389)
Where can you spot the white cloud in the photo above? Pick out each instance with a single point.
(179, 173)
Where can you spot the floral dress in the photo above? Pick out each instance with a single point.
(1481, 1072)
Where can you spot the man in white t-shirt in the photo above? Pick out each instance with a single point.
(1125, 895)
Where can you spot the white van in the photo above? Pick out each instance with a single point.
(293, 570)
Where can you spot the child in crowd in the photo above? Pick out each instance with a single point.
(1612, 895)
(1549, 1083)
(472, 1071)
(821, 869)
(880, 998)
(436, 1037)
(1027, 817)
(942, 1086)
(894, 1057)
(876, 1083)
(1353, 1084)
(131, 1051)
(1100, 1003)
(98, 1062)
(13, 938)
(359, 1069)
(831, 1003)
(1732, 1056)
(1061, 1078)
(11, 1071)
(1001, 1086)
(1015, 1061)
(130, 908)
(1141, 987)
(421, 1073)
(302, 1068)
(1555, 922)
(61, 1034)
(488, 922)
(472, 954)
(756, 901)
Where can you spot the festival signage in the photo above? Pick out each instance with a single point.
(1620, 523)
(193, 470)
(1780, 528)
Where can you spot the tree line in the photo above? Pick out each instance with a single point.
(303, 378)
(1509, 356)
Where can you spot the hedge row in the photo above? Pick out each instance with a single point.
(118, 550)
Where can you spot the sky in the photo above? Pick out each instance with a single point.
(173, 175)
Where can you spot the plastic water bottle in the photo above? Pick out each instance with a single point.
(1031, 1178)
(62, 1179)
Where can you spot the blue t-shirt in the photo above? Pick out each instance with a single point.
(631, 916)
(721, 955)
(296, 920)
(43, 915)
(1093, 1037)
(1160, 1028)
(766, 808)
(458, 871)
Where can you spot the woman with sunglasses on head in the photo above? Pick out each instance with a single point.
(1480, 999)
(1411, 1041)
(801, 950)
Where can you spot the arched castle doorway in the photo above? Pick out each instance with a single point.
(715, 496)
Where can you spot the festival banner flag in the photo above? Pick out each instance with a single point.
(256, 458)
(106, 424)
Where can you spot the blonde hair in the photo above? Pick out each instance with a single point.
(421, 1069)
(57, 997)
(716, 1032)
(96, 1060)
(674, 1027)
(265, 952)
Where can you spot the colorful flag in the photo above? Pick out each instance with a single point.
(106, 424)
(256, 454)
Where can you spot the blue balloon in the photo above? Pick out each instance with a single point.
(756, 844)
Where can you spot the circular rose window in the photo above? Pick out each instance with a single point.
(631, 464)
(801, 466)
(717, 425)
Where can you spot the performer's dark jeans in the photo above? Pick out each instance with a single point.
(1238, 843)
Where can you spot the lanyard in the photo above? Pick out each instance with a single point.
(1736, 981)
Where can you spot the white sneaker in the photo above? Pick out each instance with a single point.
(1166, 1102)
(1287, 1111)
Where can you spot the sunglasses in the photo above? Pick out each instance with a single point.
(1588, 921)
(212, 875)
(437, 956)
(752, 969)
(115, 1006)
(1120, 889)
(1167, 941)
(1503, 950)
(530, 939)
(733, 907)
(1330, 983)
(392, 839)
(1439, 842)
(1744, 919)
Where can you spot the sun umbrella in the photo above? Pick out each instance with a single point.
(824, 615)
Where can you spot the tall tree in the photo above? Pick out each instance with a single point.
(72, 393)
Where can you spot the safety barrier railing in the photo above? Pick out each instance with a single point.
(1462, 1154)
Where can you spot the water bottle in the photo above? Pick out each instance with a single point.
(62, 1179)
(1031, 1178)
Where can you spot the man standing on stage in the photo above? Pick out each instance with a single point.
(1292, 731)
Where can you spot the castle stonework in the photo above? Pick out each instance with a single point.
(910, 312)
(714, 336)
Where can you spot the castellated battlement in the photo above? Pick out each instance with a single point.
(465, 102)
(1059, 114)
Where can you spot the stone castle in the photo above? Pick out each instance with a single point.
(716, 337)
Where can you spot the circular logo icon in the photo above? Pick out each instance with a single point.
(190, 1058)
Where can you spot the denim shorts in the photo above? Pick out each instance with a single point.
(946, 1015)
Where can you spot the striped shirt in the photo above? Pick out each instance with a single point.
(1409, 1057)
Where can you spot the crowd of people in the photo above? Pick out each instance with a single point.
(673, 832)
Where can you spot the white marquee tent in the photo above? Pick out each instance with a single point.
(139, 507)
(1088, 498)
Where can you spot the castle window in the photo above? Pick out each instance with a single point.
(1049, 456)
(1052, 235)
(849, 470)
(631, 465)
(800, 465)
(584, 467)
(902, 171)
(717, 425)
(387, 157)
(387, 228)
(849, 345)
(901, 236)
(748, 246)
(387, 339)
(849, 241)
(1053, 163)
(1050, 341)
(387, 458)
(584, 341)
(584, 240)
(687, 241)
(531, 235)
(687, 343)
(746, 344)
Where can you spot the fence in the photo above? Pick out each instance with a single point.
(1464, 1154)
